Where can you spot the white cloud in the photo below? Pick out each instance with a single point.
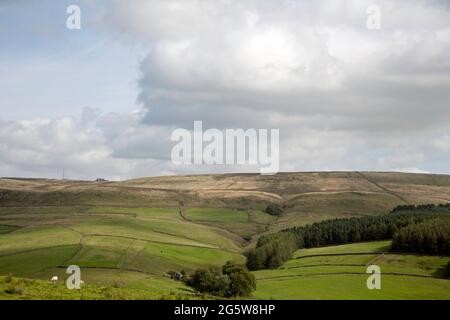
(343, 96)
(293, 58)
(411, 170)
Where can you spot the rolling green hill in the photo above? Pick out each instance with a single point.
(339, 272)
(130, 234)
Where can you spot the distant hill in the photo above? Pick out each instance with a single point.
(130, 236)
(307, 197)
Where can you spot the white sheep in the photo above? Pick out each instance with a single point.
(82, 282)
(54, 279)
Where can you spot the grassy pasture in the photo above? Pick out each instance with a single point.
(241, 222)
(142, 213)
(363, 247)
(7, 229)
(110, 244)
(35, 263)
(43, 210)
(357, 259)
(131, 228)
(149, 288)
(413, 264)
(217, 215)
(342, 286)
(128, 234)
(339, 272)
(159, 258)
(34, 238)
(159, 285)
(97, 257)
(260, 217)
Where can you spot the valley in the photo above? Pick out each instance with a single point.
(126, 236)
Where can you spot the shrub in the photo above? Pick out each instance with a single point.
(274, 209)
(232, 281)
(8, 278)
(118, 284)
(242, 282)
(209, 280)
(111, 293)
(13, 288)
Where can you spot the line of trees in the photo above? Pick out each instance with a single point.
(273, 250)
(422, 207)
(427, 237)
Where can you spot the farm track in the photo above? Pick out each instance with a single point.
(125, 255)
(182, 214)
(376, 259)
(383, 188)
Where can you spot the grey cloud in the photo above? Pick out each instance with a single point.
(343, 97)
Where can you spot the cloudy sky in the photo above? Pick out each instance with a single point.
(102, 101)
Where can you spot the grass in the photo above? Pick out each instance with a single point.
(142, 213)
(217, 215)
(127, 235)
(360, 259)
(313, 207)
(7, 229)
(131, 228)
(339, 272)
(343, 287)
(27, 289)
(413, 264)
(363, 247)
(35, 238)
(160, 258)
(111, 244)
(160, 285)
(98, 257)
(32, 263)
(241, 222)
(43, 210)
(260, 217)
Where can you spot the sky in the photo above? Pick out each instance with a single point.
(103, 100)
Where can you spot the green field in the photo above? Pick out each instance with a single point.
(127, 235)
(135, 247)
(341, 287)
(339, 272)
(6, 229)
(150, 288)
(243, 223)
